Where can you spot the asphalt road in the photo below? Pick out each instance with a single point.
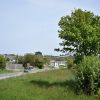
(15, 74)
(8, 75)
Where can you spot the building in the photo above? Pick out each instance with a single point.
(57, 64)
(10, 57)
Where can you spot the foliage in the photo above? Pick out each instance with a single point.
(33, 60)
(39, 61)
(7, 59)
(46, 61)
(29, 58)
(20, 59)
(88, 75)
(2, 62)
(70, 62)
(80, 33)
(50, 85)
(38, 53)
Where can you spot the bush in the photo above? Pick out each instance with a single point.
(70, 63)
(2, 62)
(88, 75)
(39, 62)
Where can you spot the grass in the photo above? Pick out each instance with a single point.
(50, 85)
(5, 71)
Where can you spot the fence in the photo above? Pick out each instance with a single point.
(14, 66)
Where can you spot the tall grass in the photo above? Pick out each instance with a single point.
(51, 85)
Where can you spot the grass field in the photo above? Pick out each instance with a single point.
(50, 85)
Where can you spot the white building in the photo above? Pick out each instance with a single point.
(57, 64)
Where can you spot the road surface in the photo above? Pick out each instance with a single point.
(8, 75)
(15, 74)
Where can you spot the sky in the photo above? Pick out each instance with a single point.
(28, 26)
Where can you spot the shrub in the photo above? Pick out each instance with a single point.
(39, 62)
(70, 63)
(88, 75)
(2, 62)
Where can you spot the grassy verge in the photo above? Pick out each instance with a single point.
(5, 71)
(51, 85)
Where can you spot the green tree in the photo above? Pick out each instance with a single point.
(2, 62)
(7, 59)
(20, 59)
(29, 58)
(38, 53)
(39, 62)
(80, 33)
(46, 60)
(33, 60)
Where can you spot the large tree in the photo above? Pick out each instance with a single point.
(80, 33)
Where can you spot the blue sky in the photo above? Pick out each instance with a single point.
(27, 26)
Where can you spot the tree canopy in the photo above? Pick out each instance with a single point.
(35, 60)
(38, 53)
(29, 58)
(80, 33)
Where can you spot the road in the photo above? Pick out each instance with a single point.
(8, 75)
(15, 74)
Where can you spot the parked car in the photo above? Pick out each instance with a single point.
(26, 70)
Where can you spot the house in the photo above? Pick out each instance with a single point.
(11, 63)
(10, 57)
(57, 63)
